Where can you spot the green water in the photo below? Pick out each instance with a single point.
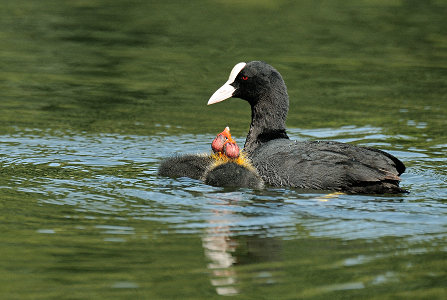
(94, 94)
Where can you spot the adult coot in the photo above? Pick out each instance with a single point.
(322, 165)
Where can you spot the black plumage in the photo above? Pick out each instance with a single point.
(189, 165)
(231, 174)
(322, 165)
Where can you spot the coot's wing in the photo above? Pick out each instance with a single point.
(327, 165)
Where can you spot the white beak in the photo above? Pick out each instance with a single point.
(227, 90)
(224, 92)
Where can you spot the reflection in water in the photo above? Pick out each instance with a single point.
(219, 249)
(225, 251)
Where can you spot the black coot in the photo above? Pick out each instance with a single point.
(322, 165)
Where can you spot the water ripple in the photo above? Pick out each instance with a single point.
(114, 174)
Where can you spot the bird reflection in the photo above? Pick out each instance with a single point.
(219, 248)
(226, 250)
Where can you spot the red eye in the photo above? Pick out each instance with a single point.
(244, 77)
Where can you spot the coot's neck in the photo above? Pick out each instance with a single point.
(268, 118)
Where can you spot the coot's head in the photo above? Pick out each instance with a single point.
(220, 140)
(251, 81)
(224, 144)
(264, 89)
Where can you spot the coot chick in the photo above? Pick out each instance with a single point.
(321, 165)
(188, 165)
(225, 145)
(226, 167)
(228, 171)
(232, 174)
(231, 167)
